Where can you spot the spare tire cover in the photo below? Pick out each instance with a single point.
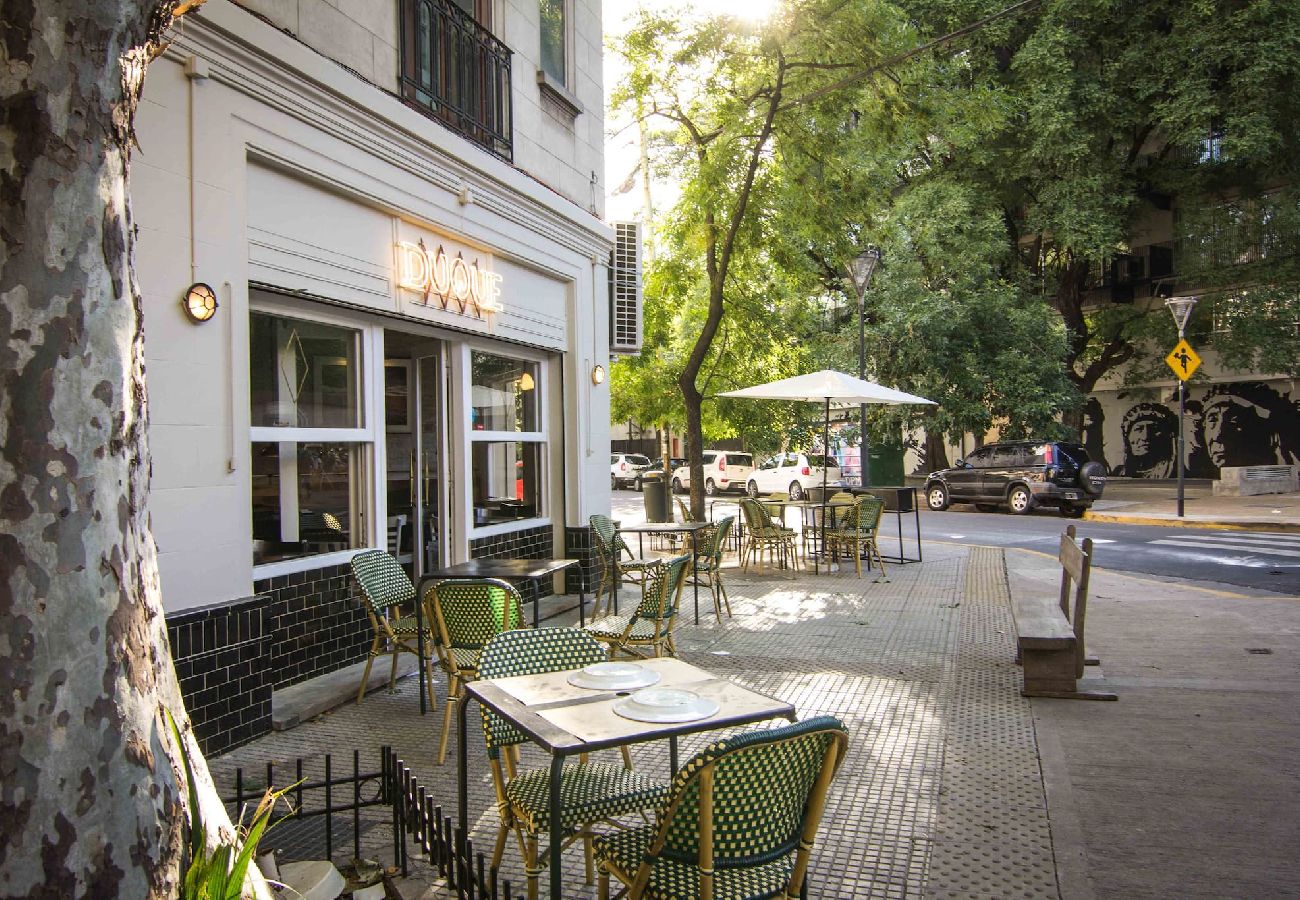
(1092, 477)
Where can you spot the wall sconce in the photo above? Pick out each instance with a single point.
(597, 374)
(526, 381)
(199, 302)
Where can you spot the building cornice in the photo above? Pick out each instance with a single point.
(251, 57)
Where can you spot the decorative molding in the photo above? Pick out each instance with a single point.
(301, 88)
(568, 103)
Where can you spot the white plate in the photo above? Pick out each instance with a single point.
(666, 705)
(614, 676)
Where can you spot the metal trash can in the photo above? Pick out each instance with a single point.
(654, 493)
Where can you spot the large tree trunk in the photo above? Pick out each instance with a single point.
(91, 802)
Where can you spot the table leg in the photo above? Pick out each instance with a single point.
(582, 601)
(419, 647)
(557, 772)
(537, 603)
(462, 763)
(695, 577)
(672, 757)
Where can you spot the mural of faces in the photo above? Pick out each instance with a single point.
(1249, 423)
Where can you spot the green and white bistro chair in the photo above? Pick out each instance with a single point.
(762, 534)
(712, 544)
(652, 623)
(590, 793)
(857, 531)
(385, 589)
(466, 613)
(739, 821)
(615, 567)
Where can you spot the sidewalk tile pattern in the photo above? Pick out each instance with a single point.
(924, 778)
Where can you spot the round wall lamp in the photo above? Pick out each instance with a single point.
(199, 302)
(598, 374)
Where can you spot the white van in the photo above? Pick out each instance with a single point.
(724, 470)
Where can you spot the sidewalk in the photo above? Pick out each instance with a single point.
(1143, 502)
(955, 785)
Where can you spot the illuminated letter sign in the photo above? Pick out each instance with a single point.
(436, 275)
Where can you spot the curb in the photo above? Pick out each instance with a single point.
(1172, 521)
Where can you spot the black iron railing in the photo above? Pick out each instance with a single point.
(455, 71)
(412, 816)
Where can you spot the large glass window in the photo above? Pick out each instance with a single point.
(310, 450)
(507, 439)
(553, 57)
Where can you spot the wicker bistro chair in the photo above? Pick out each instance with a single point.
(761, 534)
(739, 820)
(466, 613)
(652, 623)
(385, 587)
(615, 569)
(708, 563)
(858, 532)
(590, 793)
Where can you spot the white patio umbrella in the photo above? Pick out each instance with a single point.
(830, 388)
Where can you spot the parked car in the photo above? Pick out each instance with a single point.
(793, 473)
(624, 467)
(1020, 475)
(656, 466)
(724, 470)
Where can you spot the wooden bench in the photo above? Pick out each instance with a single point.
(1050, 644)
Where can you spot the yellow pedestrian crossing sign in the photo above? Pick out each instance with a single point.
(1183, 360)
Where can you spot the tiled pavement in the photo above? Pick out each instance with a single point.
(940, 794)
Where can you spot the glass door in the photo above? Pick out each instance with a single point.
(414, 431)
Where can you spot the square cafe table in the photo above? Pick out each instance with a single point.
(507, 570)
(565, 720)
(668, 528)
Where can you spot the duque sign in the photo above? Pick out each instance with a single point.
(448, 282)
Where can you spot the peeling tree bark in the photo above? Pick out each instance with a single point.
(90, 802)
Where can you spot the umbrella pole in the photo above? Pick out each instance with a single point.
(826, 452)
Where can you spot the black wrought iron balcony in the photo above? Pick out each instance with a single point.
(455, 71)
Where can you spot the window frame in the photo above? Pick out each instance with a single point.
(564, 79)
(540, 436)
(370, 397)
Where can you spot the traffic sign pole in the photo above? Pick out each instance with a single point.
(1184, 361)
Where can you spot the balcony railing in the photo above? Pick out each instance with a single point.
(455, 71)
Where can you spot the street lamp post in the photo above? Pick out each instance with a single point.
(1181, 308)
(860, 269)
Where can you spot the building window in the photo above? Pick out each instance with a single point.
(507, 439)
(553, 40)
(311, 449)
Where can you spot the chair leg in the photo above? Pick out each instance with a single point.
(499, 850)
(857, 557)
(713, 589)
(602, 889)
(722, 589)
(370, 661)
(589, 858)
(453, 700)
(428, 679)
(532, 871)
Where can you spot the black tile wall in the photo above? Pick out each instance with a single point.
(218, 652)
(316, 621)
(530, 543)
(579, 544)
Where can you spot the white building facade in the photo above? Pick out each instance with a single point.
(397, 208)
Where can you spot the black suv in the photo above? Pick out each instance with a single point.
(1023, 475)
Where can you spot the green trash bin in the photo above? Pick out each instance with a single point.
(654, 492)
(885, 463)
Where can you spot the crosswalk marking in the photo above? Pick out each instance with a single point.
(1262, 549)
(1259, 538)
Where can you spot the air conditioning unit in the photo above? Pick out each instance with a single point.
(625, 290)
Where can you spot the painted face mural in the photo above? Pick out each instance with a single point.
(1150, 433)
(1249, 424)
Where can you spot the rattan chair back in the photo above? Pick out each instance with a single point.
(531, 652)
(758, 795)
(382, 580)
(469, 612)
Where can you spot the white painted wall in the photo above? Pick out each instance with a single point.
(301, 175)
(561, 151)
